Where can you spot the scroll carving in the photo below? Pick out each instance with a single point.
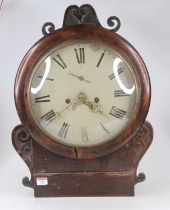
(114, 22)
(142, 141)
(83, 15)
(48, 28)
(22, 143)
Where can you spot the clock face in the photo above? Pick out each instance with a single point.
(82, 93)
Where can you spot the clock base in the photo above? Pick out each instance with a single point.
(110, 175)
(86, 184)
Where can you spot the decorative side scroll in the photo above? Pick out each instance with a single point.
(142, 141)
(22, 143)
(114, 22)
(83, 15)
(48, 28)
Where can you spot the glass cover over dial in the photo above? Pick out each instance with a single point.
(82, 93)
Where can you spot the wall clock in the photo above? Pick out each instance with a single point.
(82, 94)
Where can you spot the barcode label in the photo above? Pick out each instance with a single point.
(42, 181)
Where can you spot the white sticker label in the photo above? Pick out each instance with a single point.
(42, 181)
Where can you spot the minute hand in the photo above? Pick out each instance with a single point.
(81, 78)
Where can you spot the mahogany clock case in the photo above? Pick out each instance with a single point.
(107, 169)
(88, 33)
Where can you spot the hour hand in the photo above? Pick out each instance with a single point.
(96, 108)
(81, 78)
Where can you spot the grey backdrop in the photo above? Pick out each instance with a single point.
(145, 23)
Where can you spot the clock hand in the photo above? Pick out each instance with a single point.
(96, 108)
(101, 112)
(81, 78)
(64, 109)
(83, 99)
(50, 116)
(59, 114)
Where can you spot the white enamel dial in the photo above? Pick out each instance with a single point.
(82, 93)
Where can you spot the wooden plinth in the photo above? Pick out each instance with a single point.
(111, 175)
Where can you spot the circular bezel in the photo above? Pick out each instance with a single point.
(108, 38)
(47, 54)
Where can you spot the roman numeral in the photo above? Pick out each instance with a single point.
(64, 129)
(85, 137)
(104, 128)
(80, 55)
(116, 112)
(100, 60)
(42, 99)
(50, 79)
(49, 116)
(60, 61)
(120, 93)
(112, 76)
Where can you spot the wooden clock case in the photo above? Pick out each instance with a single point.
(109, 169)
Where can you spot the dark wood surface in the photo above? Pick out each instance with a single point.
(111, 175)
(87, 184)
